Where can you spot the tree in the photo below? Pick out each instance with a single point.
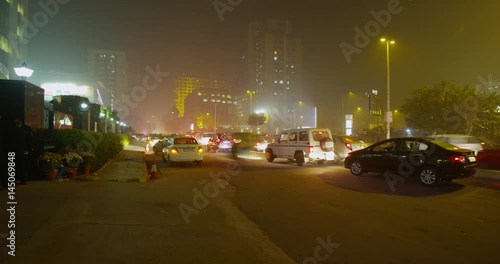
(256, 120)
(451, 108)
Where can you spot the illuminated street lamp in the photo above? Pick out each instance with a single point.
(251, 98)
(85, 107)
(24, 72)
(388, 113)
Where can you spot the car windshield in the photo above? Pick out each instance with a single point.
(186, 140)
(320, 135)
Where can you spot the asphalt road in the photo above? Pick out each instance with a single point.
(252, 211)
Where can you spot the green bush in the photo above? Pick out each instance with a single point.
(105, 146)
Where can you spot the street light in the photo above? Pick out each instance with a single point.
(24, 72)
(388, 114)
(251, 98)
(85, 107)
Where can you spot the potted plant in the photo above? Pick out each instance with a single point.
(50, 163)
(87, 159)
(72, 160)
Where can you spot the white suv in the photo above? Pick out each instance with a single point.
(303, 145)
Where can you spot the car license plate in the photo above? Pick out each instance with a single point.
(472, 159)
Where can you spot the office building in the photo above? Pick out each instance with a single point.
(185, 85)
(108, 68)
(13, 40)
(274, 65)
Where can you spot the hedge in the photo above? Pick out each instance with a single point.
(105, 146)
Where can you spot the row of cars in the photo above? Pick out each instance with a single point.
(433, 160)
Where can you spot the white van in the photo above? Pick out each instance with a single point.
(302, 146)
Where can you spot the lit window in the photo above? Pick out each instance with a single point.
(229, 102)
(218, 100)
(205, 100)
(228, 96)
(281, 81)
(199, 93)
(275, 52)
(292, 66)
(213, 94)
(275, 58)
(213, 100)
(275, 81)
(223, 102)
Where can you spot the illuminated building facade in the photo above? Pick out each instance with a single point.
(186, 85)
(13, 41)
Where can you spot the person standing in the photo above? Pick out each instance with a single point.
(23, 148)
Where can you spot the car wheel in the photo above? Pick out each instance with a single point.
(356, 168)
(269, 155)
(337, 159)
(299, 158)
(198, 162)
(428, 176)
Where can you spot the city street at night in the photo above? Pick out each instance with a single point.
(252, 211)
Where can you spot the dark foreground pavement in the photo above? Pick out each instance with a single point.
(249, 211)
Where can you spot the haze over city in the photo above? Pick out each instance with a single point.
(434, 41)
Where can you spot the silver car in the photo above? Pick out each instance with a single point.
(462, 141)
(345, 144)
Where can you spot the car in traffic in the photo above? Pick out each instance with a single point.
(344, 144)
(204, 138)
(432, 161)
(303, 146)
(262, 142)
(182, 149)
(462, 141)
(220, 142)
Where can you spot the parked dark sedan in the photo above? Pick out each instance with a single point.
(432, 161)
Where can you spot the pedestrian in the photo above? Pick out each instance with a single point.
(24, 148)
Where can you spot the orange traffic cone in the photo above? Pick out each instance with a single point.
(154, 173)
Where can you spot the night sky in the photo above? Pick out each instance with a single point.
(435, 40)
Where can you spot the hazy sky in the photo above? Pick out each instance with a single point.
(454, 40)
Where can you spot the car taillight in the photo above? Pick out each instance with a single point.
(349, 146)
(458, 159)
(311, 148)
(200, 149)
(174, 151)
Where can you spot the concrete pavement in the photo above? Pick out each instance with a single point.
(127, 166)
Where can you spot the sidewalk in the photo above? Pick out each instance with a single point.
(128, 166)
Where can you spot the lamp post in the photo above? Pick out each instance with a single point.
(251, 98)
(85, 107)
(24, 72)
(388, 113)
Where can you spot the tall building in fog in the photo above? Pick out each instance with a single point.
(274, 65)
(13, 41)
(185, 85)
(109, 69)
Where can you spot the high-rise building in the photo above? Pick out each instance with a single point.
(274, 65)
(186, 85)
(13, 41)
(109, 68)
